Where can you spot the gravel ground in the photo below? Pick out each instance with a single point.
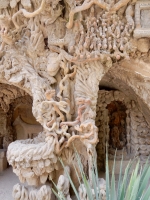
(7, 180)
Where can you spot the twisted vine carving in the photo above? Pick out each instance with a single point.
(58, 52)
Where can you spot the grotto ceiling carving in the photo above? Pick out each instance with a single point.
(58, 52)
(8, 94)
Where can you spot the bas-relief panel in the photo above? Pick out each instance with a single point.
(142, 17)
(145, 18)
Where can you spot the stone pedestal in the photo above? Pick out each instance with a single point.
(3, 160)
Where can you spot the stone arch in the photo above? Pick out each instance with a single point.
(16, 70)
(131, 81)
(8, 95)
(114, 132)
(23, 122)
(129, 84)
(132, 78)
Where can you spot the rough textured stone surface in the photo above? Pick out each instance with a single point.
(143, 45)
(70, 62)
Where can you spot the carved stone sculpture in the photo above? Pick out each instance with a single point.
(73, 58)
(63, 184)
(102, 187)
(21, 192)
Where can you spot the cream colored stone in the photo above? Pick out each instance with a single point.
(60, 61)
(143, 45)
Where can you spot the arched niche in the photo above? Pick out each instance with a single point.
(122, 126)
(137, 130)
(14, 102)
(23, 120)
(117, 114)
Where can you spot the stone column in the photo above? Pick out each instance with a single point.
(3, 160)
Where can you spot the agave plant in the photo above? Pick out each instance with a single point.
(130, 185)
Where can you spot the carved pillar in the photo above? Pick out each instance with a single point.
(137, 16)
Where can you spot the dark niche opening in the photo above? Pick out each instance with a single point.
(117, 125)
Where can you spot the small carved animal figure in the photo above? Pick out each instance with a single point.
(29, 129)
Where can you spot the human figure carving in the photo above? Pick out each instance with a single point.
(54, 63)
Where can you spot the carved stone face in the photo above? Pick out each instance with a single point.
(64, 127)
(53, 64)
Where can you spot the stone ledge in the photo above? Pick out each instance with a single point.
(141, 32)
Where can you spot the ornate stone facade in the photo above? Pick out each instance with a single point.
(73, 61)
